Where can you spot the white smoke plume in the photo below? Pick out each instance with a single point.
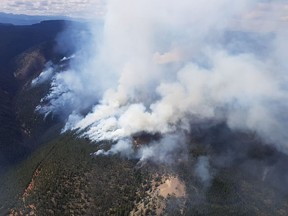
(159, 65)
(44, 76)
(202, 170)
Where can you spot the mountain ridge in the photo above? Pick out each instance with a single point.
(57, 174)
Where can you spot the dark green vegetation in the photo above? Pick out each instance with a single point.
(70, 181)
(10, 132)
(233, 193)
(249, 178)
(64, 179)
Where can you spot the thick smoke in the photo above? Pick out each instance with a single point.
(159, 66)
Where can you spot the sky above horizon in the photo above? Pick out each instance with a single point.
(266, 15)
(71, 8)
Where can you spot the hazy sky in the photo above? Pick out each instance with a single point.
(270, 14)
(74, 8)
(276, 10)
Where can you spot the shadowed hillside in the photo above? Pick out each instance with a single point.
(18, 40)
(24, 51)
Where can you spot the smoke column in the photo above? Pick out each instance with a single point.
(159, 66)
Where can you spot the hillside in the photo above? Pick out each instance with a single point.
(24, 51)
(62, 178)
(42, 172)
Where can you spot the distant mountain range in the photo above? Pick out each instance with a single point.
(21, 19)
